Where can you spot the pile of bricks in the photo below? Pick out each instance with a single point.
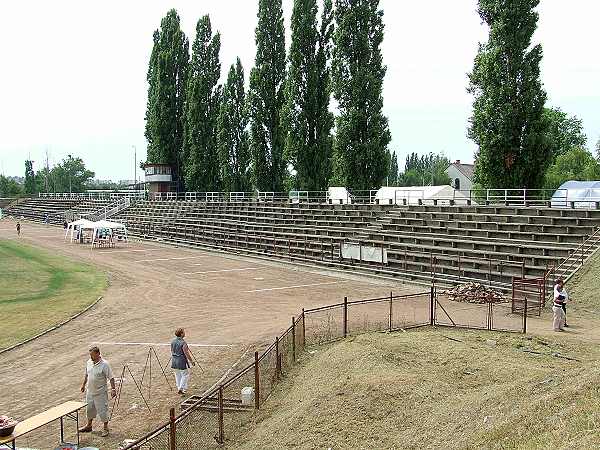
(475, 293)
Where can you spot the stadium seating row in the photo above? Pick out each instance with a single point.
(478, 243)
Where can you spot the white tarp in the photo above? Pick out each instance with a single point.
(583, 194)
(338, 195)
(368, 253)
(412, 195)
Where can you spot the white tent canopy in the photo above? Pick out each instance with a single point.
(84, 224)
(78, 223)
(580, 194)
(412, 195)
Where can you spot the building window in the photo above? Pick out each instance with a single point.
(457, 184)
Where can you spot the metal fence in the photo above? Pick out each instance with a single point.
(393, 196)
(221, 413)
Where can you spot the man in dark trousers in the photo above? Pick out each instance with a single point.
(18, 228)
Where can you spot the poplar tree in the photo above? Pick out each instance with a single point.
(201, 159)
(306, 116)
(234, 152)
(392, 179)
(358, 71)
(30, 187)
(508, 123)
(167, 75)
(266, 98)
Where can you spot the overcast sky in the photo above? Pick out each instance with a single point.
(73, 73)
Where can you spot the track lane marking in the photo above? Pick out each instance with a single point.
(179, 258)
(295, 287)
(223, 270)
(157, 344)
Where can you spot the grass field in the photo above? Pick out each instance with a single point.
(443, 388)
(39, 290)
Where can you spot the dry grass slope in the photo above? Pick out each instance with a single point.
(441, 389)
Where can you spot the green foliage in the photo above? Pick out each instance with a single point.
(508, 123)
(266, 99)
(598, 150)
(392, 179)
(338, 175)
(234, 152)
(564, 132)
(70, 175)
(203, 96)
(9, 187)
(357, 73)
(43, 181)
(576, 164)
(30, 185)
(306, 116)
(425, 170)
(167, 79)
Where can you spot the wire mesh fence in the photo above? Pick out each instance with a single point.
(324, 324)
(368, 315)
(410, 311)
(267, 371)
(220, 415)
(198, 427)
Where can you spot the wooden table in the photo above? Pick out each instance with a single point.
(69, 410)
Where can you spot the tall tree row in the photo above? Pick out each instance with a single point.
(508, 122)
(266, 99)
(167, 77)
(358, 72)
(203, 96)
(306, 116)
(234, 152)
(29, 187)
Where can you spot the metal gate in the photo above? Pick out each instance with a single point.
(528, 293)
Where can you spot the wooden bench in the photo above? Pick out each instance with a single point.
(69, 410)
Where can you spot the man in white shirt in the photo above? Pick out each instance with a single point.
(559, 306)
(97, 371)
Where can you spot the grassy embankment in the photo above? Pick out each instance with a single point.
(39, 290)
(442, 388)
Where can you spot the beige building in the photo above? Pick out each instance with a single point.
(461, 175)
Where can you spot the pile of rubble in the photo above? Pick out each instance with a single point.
(475, 293)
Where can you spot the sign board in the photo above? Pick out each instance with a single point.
(367, 253)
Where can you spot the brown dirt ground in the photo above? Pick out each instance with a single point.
(149, 296)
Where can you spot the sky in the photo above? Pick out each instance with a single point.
(73, 73)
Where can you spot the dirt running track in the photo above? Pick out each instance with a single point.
(230, 307)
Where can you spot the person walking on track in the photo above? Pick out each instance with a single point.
(96, 394)
(18, 228)
(181, 359)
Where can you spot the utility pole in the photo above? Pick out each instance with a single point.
(47, 169)
(134, 167)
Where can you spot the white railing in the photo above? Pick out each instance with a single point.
(402, 196)
(93, 195)
(111, 210)
(298, 197)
